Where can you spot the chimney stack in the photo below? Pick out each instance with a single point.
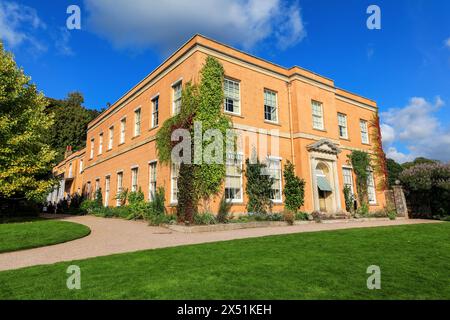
(68, 152)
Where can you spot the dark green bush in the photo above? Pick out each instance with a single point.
(223, 214)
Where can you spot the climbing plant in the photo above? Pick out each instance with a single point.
(202, 104)
(360, 162)
(258, 188)
(379, 160)
(294, 188)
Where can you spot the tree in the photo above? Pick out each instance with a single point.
(71, 120)
(394, 170)
(259, 186)
(26, 157)
(418, 160)
(294, 188)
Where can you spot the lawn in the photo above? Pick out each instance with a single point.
(38, 233)
(414, 262)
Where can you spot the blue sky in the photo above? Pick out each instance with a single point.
(405, 66)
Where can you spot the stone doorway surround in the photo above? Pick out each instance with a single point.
(325, 152)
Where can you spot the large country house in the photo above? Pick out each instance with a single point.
(315, 123)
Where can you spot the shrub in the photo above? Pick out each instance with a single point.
(289, 217)
(89, 206)
(156, 210)
(363, 210)
(259, 186)
(122, 197)
(224, 210)
(99, 197)
(294, 188)
(303, 216)
(204, 218)
(348, 196)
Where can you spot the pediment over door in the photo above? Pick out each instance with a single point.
(324, 146)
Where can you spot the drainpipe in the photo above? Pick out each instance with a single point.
(291, 132)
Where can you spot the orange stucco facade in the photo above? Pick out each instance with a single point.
(297, 139)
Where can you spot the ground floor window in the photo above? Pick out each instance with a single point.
(152, 181)
(174, 182)
(134, 179)
(371, 188)
(348, 178)
(274, 170)
(233, 179)
(119, 187)
(107, 188)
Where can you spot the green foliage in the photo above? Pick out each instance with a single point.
(258, 187)
(394, 170)
(187, 205)
(156, 214)
(360, 162)
(99, 197)
(90, 206)
(302, 216)
(363, 210)
(138, 206)
(294, 188)
(70, 125)
(348, 196)
(26, 157)
(419, 160)
(204, 218)
(209, 176)
(122, 197)
(200, 103)
(223, 214)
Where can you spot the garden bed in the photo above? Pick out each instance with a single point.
(258, 224)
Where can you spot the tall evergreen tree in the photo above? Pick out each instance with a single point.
(25, 155)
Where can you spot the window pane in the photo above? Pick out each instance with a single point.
(231, 94)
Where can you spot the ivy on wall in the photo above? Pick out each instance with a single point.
(294, 188)
(258, 187)
(201, 103)
(360, 162)
(379, 161)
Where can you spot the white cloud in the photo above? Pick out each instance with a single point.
(447, 43)
(141, 23)
(61, 41)
(17, 23)
(417, 127)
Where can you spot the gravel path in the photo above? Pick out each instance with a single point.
(109, 236)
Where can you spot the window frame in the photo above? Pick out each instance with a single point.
(279, 160)
(92, 151)
(365, 132)
(237, 156)
(350, 170)
(134, 179)
(340, 114)
(315, 116)
(155, 113)
(107, 189)
(236, 102)
(119, 186)
(371, 186)
(276, 105)
(152, 179)
(123, 130)
(137, 121)
(173, 177)
(111, 137)
(100, 143)
(178, 83)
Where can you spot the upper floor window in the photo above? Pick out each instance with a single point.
(274, 170)
(111, 138)
(91, 155)
(134, 179)
(364, 131)
(155, 112)
(232, 96)
(317, 113)
(233, 178)
(137, 122)
(100, 144)
(123, 125)
(177, 89)
(81, 165)
(270, 106)
(342, 123)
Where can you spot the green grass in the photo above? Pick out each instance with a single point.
(37, 233)
(414, 262)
